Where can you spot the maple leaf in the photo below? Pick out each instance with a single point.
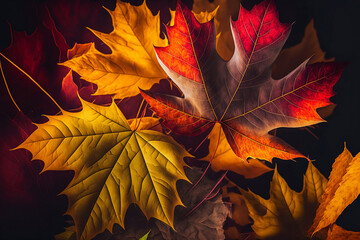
(206, 222)
(341, 191)
(222, 157)
(287, 214)
(239, 94)
(132, 63)
(114, 166)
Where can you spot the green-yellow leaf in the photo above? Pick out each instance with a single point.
(145, 236)
(114, 166)
(287, 214)
(132, 63)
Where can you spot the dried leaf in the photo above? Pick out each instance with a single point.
(206, 222)
(287, 214)
(114, 166)
(341, 191)
(132, 63)
(239, 211)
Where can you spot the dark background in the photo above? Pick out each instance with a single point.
(30, 207)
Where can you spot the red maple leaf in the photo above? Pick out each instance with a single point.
(240, 94)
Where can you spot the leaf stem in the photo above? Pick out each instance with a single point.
(142, 115)
(37, 84)
(7, 88)
(210, 161)
(138, 114)
(207, 196)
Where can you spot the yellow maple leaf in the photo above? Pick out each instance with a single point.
(114, 166)
(221, 11)
(132, 63)
(341, 191)
(222, 157)
(287, 214)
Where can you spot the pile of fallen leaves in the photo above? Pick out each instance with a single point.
(126, 114)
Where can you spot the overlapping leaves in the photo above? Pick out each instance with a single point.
(341, 191)
(289, 214)
(117, 163)
(239, 94)
(114, 166)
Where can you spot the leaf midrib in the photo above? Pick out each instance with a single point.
(248, 63)
(277, 98)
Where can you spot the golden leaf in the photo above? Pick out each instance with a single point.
(132, 63)
(221, 11)
(287, 214)
(222, 157)
(114, 166)
(338, 233)
(342, 190)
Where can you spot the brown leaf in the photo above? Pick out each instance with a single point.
(239, 211)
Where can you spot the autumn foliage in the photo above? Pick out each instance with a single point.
(207, 76)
